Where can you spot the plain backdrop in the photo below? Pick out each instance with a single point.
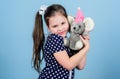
(16, 44)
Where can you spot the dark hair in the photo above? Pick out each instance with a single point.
(38, 32)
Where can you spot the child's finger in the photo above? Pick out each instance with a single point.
(82, 38)
(86, 37)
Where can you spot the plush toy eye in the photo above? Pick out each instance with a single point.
(79, 26)
(74, 28)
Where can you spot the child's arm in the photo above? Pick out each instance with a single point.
(71, 62)
(82, 63)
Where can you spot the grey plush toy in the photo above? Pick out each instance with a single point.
(74, 42)
(78, 26)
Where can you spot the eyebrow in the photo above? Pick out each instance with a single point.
(55, 25)
(60, 23)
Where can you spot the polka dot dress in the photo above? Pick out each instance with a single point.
(53, 70)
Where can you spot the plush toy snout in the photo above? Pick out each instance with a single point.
(77, 28)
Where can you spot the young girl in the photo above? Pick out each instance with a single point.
(59, 63)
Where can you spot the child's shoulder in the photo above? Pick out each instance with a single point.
(55, 36)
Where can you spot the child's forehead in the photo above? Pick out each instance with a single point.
(54, 14)
(58, 13)
(58, 17)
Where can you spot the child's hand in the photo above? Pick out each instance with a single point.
(85, 40)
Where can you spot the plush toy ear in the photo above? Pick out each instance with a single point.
(70, 19)
(89, 23)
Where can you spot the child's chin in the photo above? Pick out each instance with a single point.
(63, 35)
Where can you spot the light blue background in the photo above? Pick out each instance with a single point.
(16, 26)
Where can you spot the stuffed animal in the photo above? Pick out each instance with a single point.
(78, 26)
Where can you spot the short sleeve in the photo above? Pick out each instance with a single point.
(55, 44)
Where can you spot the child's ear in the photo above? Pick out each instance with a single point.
(70, 19)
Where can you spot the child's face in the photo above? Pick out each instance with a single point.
(58, 24)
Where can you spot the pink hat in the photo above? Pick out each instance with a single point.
(79, 16)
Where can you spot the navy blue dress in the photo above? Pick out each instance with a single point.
(53, 70)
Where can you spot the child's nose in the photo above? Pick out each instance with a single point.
(60, 28)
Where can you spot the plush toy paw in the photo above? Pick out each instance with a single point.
(79, 45)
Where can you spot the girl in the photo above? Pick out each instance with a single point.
(59, 63)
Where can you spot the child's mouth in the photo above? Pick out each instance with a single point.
(61, 33)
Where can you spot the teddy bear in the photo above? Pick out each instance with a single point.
(78, 26)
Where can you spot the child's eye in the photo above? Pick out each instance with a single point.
(54, 26)
(63, 23)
